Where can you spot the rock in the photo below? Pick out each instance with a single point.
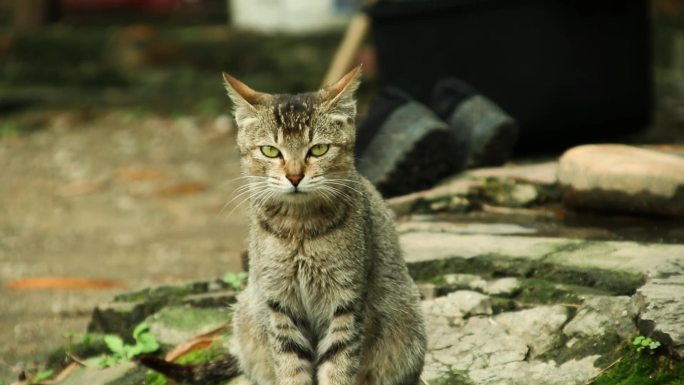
(662, 301)
(459, 304)
(538, 327)
(427, 290)
(573, 372)
(478, 344)
(540, 173)
(504, 192)
(92, 374)
(174, 325)
(600, 315)
(504, 287)
(617, 267)
(406, 204)
(622, 178)
(465, 281)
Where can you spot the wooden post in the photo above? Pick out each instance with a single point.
(29, 14)
(342, 61)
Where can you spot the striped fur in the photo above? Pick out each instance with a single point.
(329, 300)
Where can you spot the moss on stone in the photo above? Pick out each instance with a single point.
(493, 265)
(453, 377)
(642, 368)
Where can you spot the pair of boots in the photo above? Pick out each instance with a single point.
(404, 146)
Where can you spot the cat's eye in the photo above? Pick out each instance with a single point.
(270, 151)
(319, 149)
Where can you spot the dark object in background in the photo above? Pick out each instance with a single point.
(402, 146)
(487, 131)
(569, 71)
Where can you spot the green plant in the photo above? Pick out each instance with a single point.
(235, 280)
(144, 343)
(10, 129)
(641, 343)
(41, 376)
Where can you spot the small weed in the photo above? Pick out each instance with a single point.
(144, 343)
(235, 280)
(10, 129)
(641, 343)
(41, 376)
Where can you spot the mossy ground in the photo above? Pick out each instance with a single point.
(643, 368)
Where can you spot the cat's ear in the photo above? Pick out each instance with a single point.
(342, 92)
(243, 96)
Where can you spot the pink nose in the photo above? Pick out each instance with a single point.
(294, 178)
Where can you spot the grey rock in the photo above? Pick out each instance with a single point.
(622, 178)
(600, 315)
(537, 327)
(573, 372)
(662, 301)
(459, 304)
(504, 287)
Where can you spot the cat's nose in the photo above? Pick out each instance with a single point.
(294, 178)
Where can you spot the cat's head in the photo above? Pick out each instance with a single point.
(296, 144)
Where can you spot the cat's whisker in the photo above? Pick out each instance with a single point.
(241, 191)
(247, 199)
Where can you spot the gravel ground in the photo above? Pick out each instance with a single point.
(133, 200)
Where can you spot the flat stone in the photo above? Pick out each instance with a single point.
(539, 173)
(662, 302)
(174, 325)
(458, 304)
(600, 315)
(573, 372)
(405, 204)
(622, 178)
(465, 281)
(94, 375)
(503, 287)
(538, 327)
(416, 224)
(618, 256)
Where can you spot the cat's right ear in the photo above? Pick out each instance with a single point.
(243, 96)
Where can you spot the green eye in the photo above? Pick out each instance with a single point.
(270, 151)
(319, 149)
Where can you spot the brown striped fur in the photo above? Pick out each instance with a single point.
(329, 300)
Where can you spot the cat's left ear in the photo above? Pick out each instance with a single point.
(241, 94)
(342, 92)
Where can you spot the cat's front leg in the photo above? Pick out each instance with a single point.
(340, 349)
(292, 350)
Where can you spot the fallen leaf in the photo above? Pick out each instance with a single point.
(202, 341)
(137, 174)
(181, 189)
(80, 188)
(35, 283)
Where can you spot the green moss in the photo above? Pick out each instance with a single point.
(184, 318)
(494, 265)
(214, 352)
(453, 377)
(643, 369)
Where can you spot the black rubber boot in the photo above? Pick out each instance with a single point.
(490, 133)
(403, 147)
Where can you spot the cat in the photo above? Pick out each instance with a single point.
(329, 300)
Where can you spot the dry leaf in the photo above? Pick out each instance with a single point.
(61, 376)
(63, 283)
(181, 189)
(137, 174)
(80, 188)
(202, 341)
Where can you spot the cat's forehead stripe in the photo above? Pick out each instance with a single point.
(292, 113)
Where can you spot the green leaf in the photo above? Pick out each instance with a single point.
(654, 345)
(40, 376)
(637, 340)
(142, 327)
(147, 343)
(114, 343)
(646, 342)
(108, 361)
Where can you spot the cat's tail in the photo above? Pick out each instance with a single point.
(214, 371)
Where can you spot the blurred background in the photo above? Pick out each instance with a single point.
(117, 158)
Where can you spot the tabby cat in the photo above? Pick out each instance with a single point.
(329, 299)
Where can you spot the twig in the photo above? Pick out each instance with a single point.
(591, 380)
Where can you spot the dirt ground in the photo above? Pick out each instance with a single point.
(132, 199)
